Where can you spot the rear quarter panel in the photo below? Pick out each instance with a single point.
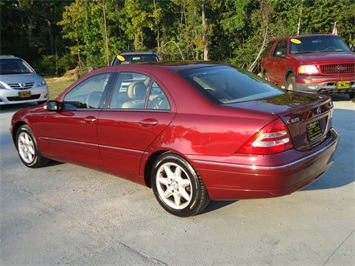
(210, 134)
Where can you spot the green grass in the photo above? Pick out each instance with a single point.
(57, 85)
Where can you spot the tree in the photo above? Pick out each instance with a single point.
(29, 29)
(232, 31)
(73, 28)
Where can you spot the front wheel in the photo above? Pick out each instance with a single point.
(177, 186)
(291, 83)
(266, 76)
(28, 149)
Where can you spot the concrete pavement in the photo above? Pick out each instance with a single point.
(66, 214)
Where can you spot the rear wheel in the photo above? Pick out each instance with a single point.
(291, 83)
(28, 149)
(352, 95)
(177, 186)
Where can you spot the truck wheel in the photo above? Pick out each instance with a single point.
(291, 83)
(266, 76)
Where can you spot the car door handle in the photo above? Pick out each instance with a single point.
(148, 122)
(89, 119)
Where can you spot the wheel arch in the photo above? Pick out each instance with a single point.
(288, 73)
(149, 165)
(14, 130)
(150, 162)
(263, 71)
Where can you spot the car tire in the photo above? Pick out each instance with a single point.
(266, 76)
(177, 186)
(28, 149)
(291, 83)
(352, 95)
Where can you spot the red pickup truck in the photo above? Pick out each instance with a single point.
(312, 63)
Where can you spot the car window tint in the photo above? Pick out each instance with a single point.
(223, 84)
(137, 91)
(130, 91)
(14, 66)
(280, 49)
(267, 50)
(87, 94)
(135, 58)
(157, 99)
(316, 44)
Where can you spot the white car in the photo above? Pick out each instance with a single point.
(19, 82)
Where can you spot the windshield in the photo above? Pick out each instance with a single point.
(225, 85)
(14, 66)
(317, 44)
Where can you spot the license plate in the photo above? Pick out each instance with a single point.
(343, 84)
(24, 94)
(314, 130)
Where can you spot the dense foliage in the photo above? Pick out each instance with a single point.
(56, 36)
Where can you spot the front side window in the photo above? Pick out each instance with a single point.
(280, 49)
(87, 94)
(139, 92)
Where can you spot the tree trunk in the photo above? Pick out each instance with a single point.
(204, 33)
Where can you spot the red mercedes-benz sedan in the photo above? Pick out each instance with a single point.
(191, 131)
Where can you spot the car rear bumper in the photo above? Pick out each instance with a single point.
(12, 96)
(324, 85)
(287, 172)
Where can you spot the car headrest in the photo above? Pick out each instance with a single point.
(136, 90)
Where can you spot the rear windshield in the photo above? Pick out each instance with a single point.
(14, 66)
(226, 85)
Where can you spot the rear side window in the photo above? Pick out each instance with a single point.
(224, 84)
(267, 50)
(139, 92)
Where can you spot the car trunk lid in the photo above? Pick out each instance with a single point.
(308, 117)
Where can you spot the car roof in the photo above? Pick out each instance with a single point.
(174, 66)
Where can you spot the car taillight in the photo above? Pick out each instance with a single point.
(271, 139)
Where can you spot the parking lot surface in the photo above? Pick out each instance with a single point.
(67, 214)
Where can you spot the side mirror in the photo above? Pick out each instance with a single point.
(280, 54)
(54, 106)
